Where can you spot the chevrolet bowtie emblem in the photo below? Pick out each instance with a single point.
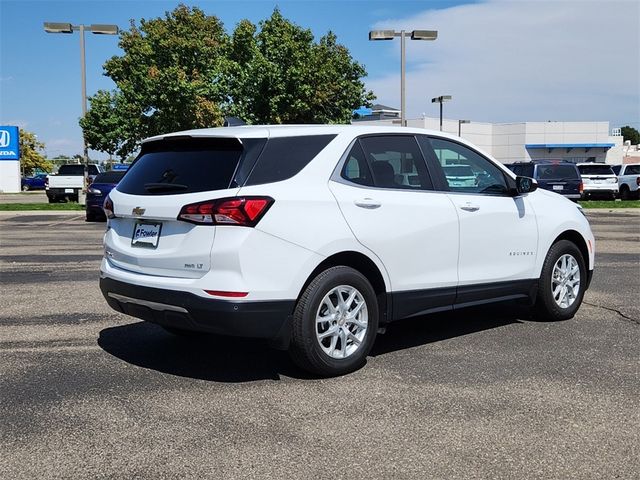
(138, 211)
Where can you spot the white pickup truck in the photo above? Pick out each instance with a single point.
(628, 180)
(69, 180)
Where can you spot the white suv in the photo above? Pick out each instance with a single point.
(312, 236)
(598, 179)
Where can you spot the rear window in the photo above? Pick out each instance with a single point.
(284, 157)
(77, 170)
(109, 177)
(557, 172)
(187, 165)
(595, 170)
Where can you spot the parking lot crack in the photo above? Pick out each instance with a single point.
(615, 310)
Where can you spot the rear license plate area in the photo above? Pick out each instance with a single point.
(146, 234)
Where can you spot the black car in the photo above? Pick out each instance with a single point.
(554, 175)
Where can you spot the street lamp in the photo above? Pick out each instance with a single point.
(98, 29)
(441, 99)
(460, 122)
(415, 35)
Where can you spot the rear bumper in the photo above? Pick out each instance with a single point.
(184, 310)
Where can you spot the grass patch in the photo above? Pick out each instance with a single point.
(20, 207)
(609, 204)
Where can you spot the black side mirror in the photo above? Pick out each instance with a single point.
(525, 185)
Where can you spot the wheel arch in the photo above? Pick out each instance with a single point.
(367, 267)
(578, 240)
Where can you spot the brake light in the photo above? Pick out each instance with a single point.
(107, 206)
(581, 187)
(638, 181)
(240, 211)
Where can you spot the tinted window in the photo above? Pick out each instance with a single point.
(632, 170)
(356, 168)
(616, 169)
(284, 157)
(521, 169)
(396, 162)
(455, 158)
(169, 167)
(77, 170)
(557, 172)
(595, 169)
(109, 177)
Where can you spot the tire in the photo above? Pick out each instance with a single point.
(329, 354)
(563, 255)
(53, 199)
(91, 217)
(625, 194)
(25, 188)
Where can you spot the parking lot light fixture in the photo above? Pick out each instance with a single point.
(460, 122)
(99, 29)
(441, 99)
(414, 35)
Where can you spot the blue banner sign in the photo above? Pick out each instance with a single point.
(9, 143)
(120, 166)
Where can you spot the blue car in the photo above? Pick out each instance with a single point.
(36, 182)
(98, 191)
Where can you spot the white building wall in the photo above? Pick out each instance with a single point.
(9, 176)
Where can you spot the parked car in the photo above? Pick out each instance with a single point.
(459, 175)
(302, 236)
(628, 180)
(35, 182)
(598, 180)
(98, 191)
(69, 181)
(556, 176)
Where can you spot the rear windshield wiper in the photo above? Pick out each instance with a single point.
(164, 187)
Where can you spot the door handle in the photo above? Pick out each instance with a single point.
(368, 203)
(470, 208)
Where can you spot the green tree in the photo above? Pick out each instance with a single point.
(631, 134)
(108, 126)
(30, 156)
(280, 75)
(184, 71)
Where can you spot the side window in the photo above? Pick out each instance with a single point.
(633, 170)
(356, 169)
(395, 161)
(284, 157)
(616, 169)
(467, 171)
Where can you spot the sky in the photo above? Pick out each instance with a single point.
(500, 60)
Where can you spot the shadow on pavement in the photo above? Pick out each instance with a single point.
(232, 359)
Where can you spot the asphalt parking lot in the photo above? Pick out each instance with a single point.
(86, 392)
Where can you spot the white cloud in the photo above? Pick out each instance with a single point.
(522, 60)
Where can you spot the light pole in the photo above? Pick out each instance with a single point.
(415, 35)
(460, 122)
(441, 99)
(98, 29)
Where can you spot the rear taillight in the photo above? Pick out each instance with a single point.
(581, 187)
(638, 181)
(240, 211)
(107, 206)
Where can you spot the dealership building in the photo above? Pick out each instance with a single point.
(523, 141)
